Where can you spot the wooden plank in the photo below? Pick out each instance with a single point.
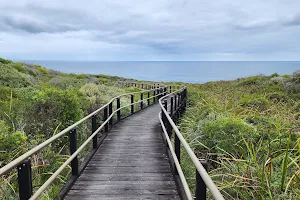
(122, 192)
(131, 163)
(126, 177)
(123, 197)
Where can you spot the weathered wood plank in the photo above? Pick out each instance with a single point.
(124, 197)
(132, 163)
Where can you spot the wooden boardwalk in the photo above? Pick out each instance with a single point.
(131, 163)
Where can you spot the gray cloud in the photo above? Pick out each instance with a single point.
(158, 29)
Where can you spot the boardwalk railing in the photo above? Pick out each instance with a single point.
(172, 107)
(23, 163)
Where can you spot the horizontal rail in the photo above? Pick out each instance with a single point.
(200, 169)
(178, 167)
(68, 161)
(29, 153)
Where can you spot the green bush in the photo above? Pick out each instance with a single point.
(9, 140)
(4, 61)
(251, 81)
(255, 102)
(277, 96)
(10, 77)
(80, 76)
(297, 116)
(51, 108)
(41, 69)
(227, 133)
(275, 75)
(19, 67)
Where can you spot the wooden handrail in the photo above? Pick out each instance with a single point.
(168, 124)
(19, 162)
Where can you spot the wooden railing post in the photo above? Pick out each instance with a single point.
(142, 86)
(73, 148)
(142, 103)
(167, 124)
(172, 107)
(200, 185)
(110, 113)
(119, 111)
(25, 180)
(105, 118)
(132, 101)
(154, 98)
(165, 91)
(177, 148)
(148, 100)
(175, 102)
(170, 89)
(94, 128)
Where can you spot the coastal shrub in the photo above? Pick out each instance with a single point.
(262, 123)
(251, 81)
(19, 67)
(41, 69)
(10, 77)
(80, 76)
(297, 106)
(4, 61)
(9, 141)
(51, 108)
(65, 82)
(255, 102)
(226, 133)
(277, 96)
(296, 74)
(275, 74)
(277, 80)
(297, 116)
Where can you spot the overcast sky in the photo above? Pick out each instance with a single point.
(150, 30)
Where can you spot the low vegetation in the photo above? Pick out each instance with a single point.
(249, 131)
(35, 104)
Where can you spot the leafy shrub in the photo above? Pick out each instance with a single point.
(65, 82)
(10, 77)
(277, 80)
(41, 69)
(4, 61)
(277, 96)
(275, 75)
(255, 102)
(263, 123)
(9, 140)
(297, 106)
(227, 133)
(251, 81)
(296, 74)
(19, 67)
(52, 107)
(80, 76)
(297, 116)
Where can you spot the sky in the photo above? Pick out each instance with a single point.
(155, 30)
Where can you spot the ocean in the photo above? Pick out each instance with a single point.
(192, 72)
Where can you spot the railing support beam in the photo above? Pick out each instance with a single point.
(25, 180)
(119, 111)
(94, 128)
(73, 148)
(200, 185)
(132, 105)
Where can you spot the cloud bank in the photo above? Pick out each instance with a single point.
(150, 30)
